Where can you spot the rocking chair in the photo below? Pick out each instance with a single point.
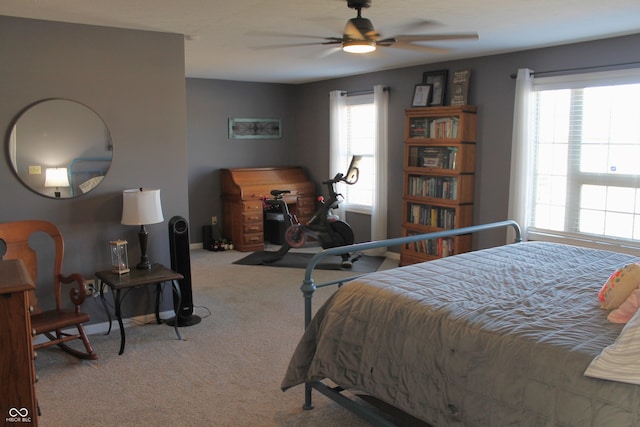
(54, 324)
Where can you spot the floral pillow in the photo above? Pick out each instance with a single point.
(619, 286)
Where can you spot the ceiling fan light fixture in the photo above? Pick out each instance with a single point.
(359, 46)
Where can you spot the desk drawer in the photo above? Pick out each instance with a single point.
(304, 212)
(306, 202)
(251, 206)
(252, 217)
(253, 238)
(252, 227)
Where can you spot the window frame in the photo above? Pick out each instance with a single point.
(575, 177)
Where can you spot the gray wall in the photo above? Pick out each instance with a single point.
(135, 81)
(210, 104)
(492, 90)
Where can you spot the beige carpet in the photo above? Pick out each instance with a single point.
(226, 372)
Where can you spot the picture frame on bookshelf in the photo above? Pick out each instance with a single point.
(460, 87)
(421, 95)
(438, 80)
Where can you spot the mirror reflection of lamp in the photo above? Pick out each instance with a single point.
(141, 206)
(56, 177)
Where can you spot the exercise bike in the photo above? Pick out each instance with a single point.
(324, 226)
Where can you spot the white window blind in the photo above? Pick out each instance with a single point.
(360, 141)
(586, 174)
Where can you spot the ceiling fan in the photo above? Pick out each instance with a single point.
(359, 35)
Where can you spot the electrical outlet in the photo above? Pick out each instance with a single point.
(35, 170)
(214, 220)
(89, 286)
(92, 288)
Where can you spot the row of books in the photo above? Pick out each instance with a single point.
(445, 127)
(441, 247)
(440, 157)
(441, 187)
(432, 216)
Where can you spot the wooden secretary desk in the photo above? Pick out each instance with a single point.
(18, 404)
(242, 210)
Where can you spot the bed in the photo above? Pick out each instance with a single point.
(494, 337)
(85, 173)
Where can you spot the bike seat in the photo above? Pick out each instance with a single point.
(276, 193)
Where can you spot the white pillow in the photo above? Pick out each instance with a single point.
(621, 360)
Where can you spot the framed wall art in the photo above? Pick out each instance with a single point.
(254, 128)
(439, 81)
(421, 96)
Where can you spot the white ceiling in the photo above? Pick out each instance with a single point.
(227, 39)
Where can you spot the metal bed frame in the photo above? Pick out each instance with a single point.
(309, 287)
(87, 167)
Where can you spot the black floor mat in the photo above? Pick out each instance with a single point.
(364, 264)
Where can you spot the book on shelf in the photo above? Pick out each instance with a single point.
(433, 158)
(444, 187)
(418, 127)
(439, 157)
(446, 127)
(442, 247)
(432, 216)
(453, 157)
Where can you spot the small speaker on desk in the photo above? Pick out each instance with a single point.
(181, 262)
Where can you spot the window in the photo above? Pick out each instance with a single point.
(584, 175)
(360, 140)
(358, 124)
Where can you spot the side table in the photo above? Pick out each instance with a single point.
(157, 275)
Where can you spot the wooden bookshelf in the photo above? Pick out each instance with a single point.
(439, 179)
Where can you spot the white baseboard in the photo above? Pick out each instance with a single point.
(102, 328)
(391, 255)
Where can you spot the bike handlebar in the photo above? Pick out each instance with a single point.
(339, 177)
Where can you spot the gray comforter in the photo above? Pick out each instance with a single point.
(495, 337)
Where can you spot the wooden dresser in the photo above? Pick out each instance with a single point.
(242, 210)
(18, 397)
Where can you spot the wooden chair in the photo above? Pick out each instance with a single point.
(54, 323)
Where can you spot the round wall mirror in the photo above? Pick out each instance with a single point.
(60, 148)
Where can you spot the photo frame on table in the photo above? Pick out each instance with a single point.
(438, 80)
(421, 95)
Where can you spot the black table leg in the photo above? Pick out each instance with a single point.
(158, 291)
(104, 304)
(119, 316)
(176, 288)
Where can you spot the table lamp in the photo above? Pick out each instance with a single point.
(141, 206)
(56, 177)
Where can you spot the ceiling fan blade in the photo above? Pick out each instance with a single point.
(417, 25)
(386, 42)
(330, 51)
(414, 47)
(277, 34)
(436, 37)
(281, 46)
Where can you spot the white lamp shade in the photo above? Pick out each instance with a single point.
(56, 177)
(141, 206)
